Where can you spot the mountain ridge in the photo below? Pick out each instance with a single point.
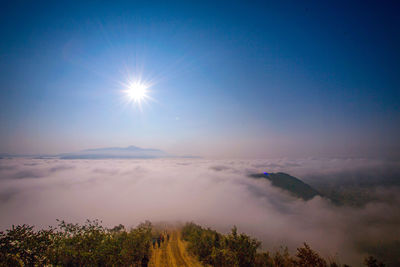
(116, 152)
(288, 183)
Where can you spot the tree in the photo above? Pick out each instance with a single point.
(306, 257)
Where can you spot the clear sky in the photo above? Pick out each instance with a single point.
(229, 79)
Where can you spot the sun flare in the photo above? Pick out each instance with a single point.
(136, 92)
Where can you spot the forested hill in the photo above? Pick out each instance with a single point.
(288, 183)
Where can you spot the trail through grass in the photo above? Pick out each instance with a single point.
(172, 253)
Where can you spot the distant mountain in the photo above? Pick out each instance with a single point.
(129, 152)
(34, 156)
(288, 183)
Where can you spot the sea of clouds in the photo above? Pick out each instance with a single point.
(214, 193)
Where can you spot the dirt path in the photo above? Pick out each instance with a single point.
(172, 253)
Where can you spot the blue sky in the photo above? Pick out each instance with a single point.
(231, 79)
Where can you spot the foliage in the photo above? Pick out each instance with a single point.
(22, 246)
(216, 249)
(307, 257)
(91, 244)
(75, 245)
(234, 249)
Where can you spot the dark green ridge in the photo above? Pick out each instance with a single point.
(289, 183)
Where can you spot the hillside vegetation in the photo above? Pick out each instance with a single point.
(291, 184)
(92, 244)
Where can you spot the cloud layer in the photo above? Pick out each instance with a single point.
(213, 193)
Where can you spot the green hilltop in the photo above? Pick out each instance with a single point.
(291, 184)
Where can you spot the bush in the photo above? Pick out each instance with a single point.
(75, 245)
(239, 250)
(220, 250)
(307, 257)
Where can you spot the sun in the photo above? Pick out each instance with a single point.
(136, 92)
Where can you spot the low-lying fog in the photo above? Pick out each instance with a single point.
(213, 193)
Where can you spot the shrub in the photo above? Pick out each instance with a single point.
(75, 245)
